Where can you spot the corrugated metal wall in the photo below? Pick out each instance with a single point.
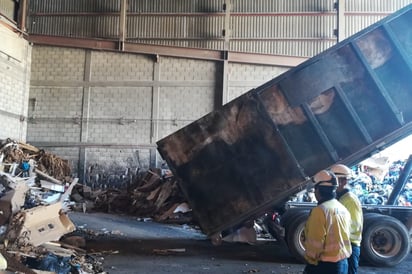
(282, 6)
(296, 35)
(176, 6)
(384, 6)
(282, 27)
(67, 6)
(360, 14)
(176, 30)
(97, 26)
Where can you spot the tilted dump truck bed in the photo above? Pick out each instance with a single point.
(339, 106)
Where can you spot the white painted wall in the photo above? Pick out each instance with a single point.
(15, 61)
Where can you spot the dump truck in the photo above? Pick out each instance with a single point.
(252, 154)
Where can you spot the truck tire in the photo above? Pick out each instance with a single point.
(369, 216)
(295, 234)
(291, 215)
(385, 241)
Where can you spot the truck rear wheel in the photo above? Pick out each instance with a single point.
(295, 236)
(385, 241)
(290, 215)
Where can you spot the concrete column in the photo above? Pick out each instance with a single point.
(154, 127)
(122, 24)
(225, 63)
(84, 121)
(341, 32)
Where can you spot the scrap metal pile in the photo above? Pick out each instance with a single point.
(154, 194)
(36, 192)
(35, 188)
(373, 182)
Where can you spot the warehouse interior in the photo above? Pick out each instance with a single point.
(96, 84)
(85, 73)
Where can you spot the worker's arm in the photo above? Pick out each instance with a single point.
(315, 232)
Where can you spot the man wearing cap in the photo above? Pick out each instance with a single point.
(353, 205)
(327, 230)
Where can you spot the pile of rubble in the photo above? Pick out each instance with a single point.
(155, 195)
(35, 189)
(373, 182)
(36, 193)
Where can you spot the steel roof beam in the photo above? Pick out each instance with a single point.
(213, 55)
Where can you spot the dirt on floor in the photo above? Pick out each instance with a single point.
(131, 245)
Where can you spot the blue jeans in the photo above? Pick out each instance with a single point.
(353, 260)
(340, 267)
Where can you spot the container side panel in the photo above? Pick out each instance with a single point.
(396, 78)
(397, 73)
(309, 81)
(235, 156)
(334, 118)
(401, 26)
(365, 96)
(297, 131)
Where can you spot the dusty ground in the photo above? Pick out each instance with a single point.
(133, 246)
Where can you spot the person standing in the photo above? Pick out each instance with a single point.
(353, 205)
(327, 230)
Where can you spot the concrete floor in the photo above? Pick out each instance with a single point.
(133, 246)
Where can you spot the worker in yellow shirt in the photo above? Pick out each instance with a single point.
(353, 205)
(327, 230)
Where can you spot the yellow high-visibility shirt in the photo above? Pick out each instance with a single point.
(327, 233)
(353, 205)
(3, 262)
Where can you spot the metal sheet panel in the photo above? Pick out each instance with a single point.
(66, 6)
(216, 160)
(174, 27)
(296, 35)
(283, 27)
(282, 6)
(182, 6)
(355, 23)
(104, 26)
(383, 6)
(298, 47)
(361, 14)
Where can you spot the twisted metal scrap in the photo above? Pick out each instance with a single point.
(17, 152)
(12, 152)
(54, 166)
(15, 226)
